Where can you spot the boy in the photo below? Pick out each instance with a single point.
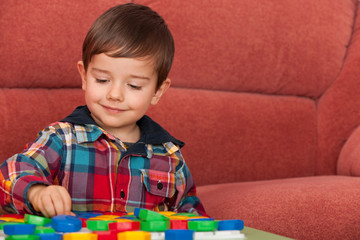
(108, 156)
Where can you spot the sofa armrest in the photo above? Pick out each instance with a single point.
(349, 158)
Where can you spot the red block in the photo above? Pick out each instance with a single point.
(124, 226)
(178, 224)
(106, 235)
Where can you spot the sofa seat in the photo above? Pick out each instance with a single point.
(298, 204)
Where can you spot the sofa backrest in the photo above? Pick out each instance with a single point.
(257, 85)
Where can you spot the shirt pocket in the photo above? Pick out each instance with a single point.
(159, 183)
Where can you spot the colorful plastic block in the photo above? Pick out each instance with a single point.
(80, 236)
(19, 229)
(148, 215)
(229, 235)
(203, 226)
(66, 223)
(136, 235)
(178, 224)
(106, 235)
(179, 235)
(22, 237)
(87, 215)
(41, 229)
(37, 220)
(225, 225)
(50, 236)
(8, 223)
(155, 226)
(124, 226)
(99, 225)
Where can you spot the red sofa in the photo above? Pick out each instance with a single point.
(265, 94)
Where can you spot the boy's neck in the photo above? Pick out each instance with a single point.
(129, 135)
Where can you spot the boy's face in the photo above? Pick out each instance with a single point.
(119, 91)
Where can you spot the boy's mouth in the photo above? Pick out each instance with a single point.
(112, 109)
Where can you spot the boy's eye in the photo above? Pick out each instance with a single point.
(135, 87)
(102, 80)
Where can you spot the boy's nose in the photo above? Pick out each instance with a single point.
(116, 93)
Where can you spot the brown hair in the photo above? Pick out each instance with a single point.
(134, 31)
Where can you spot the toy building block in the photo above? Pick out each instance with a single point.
(66, 223)
(231, 225)
(87, 215)
(178, 224)
(23, 237)
(124, 226)
(157, 235)
(80, 236)
(50, 236)
(203, 226)
(99, 225)
(148, 215)
(155, 226)
(106, 235)
(8, 223)
(37, 220)
(42, 229)
(229, 235)
(19, 229)
(179, 234)
(134, 235)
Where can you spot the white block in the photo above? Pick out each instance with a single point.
(157, 235)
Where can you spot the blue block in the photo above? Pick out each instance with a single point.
(19, 229)
(50, 236)
(137, 212)
(87, 215)
(66, 223)
(179, 234)
(228, 225)
(201, 219)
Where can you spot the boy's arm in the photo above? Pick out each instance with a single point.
(186, 199)
(21, 171)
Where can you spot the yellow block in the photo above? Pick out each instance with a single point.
(167, 213)
(104, 217)
(80, 236)
(134, 235)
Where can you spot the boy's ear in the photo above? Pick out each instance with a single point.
(162, 89)
(81, 69)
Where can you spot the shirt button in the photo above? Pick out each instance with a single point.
(160, 185)
(122, 194)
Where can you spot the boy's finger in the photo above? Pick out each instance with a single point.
(66, 200)
(48, 206)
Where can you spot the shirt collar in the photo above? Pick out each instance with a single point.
(89, 130)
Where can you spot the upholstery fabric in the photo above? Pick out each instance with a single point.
(264, 93)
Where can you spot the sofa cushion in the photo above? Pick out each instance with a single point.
(26, 112)
(323, 207)
(240, 137)
(349, 159)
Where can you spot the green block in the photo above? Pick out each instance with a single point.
(98, 225)
(203, 226)
(37, 220)
(186, 214)
(7, 223)
(148, 215)
(155, 226)
(41, 229)
(22, 237)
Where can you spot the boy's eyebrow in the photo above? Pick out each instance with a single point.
(100, 70)
(109, 73)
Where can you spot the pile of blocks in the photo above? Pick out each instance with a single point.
(142, 224)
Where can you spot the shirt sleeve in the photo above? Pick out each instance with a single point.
(186, 199)
(35, 165)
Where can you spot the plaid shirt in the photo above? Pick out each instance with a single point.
(99, 171)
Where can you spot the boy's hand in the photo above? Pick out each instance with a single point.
(50, 200)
